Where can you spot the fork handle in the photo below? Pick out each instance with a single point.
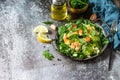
(110, 57)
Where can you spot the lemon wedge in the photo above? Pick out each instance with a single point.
(41, 37)
(40, 29)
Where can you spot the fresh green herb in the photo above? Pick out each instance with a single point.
(79, 21)
(48, 55)
(59, 59)
(105, 41)
(48, 22)
(78, 4)
(74, 36)
(61, 30)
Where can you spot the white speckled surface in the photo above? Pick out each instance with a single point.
(21, 54)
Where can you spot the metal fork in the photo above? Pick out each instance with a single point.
(113, 30)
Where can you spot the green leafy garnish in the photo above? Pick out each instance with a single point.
(48, 55)
(78, 4)
(48, 22)
(61, 30)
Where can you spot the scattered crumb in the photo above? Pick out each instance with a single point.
(43, 46)
(59, 59)
(53, 64)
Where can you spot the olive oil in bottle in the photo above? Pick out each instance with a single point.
(58, 9)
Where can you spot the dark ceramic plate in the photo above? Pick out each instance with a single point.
(55, 46)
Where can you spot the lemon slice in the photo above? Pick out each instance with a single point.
(40, 29)
(43, 38)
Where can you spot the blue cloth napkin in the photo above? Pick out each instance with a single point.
(108, 11)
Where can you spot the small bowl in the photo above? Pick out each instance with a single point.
(77, 11)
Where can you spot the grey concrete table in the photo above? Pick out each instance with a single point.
(21, 54)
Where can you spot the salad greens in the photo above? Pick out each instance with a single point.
(78, 4)
(48, 55)
(81, 39)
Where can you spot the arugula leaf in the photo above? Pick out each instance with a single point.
(65, 49)
(105, 41)
(61, 30)
(48, 22)
(61, 38)
(48, 55)
(79, 21)
(92, 32)
(74, 36)
(95, 38)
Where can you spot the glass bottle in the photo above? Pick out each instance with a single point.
(58, 9)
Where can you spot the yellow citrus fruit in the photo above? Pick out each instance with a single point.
(43, 38)
(40, 29)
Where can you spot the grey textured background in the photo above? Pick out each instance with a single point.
(21, 54)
